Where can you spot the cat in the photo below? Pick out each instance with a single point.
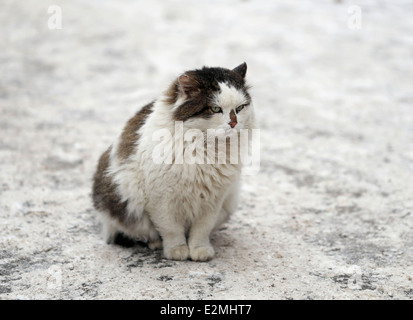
(171, 206)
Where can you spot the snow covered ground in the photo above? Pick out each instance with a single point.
(330, 214)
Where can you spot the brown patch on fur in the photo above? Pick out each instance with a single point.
(189, 85)
(129, 135)
(198, 107)
(172, 94)
(105, 197)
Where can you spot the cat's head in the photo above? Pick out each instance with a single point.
(212, 98)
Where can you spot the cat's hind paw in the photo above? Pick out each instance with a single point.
(177, 253)
(202, 253)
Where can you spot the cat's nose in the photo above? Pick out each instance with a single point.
(233, 118)
(232, 124)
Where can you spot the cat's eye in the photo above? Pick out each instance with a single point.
(216, 109)
(238, 109)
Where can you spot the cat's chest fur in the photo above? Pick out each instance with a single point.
(190, 188)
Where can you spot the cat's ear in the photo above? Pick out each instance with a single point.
(241, 69)
(188, 85)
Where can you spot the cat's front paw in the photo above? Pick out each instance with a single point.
(202, 253)
(177, 253)
(155, 245)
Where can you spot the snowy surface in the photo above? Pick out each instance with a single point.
(329, 216)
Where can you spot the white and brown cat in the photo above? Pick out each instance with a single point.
(175, 206)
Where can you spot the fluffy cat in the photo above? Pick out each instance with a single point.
(175, 206)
